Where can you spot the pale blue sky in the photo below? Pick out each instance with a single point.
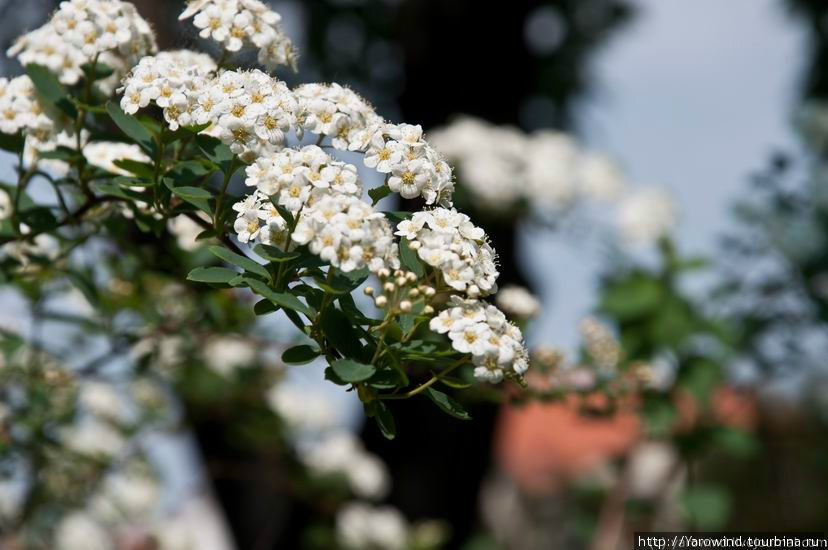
(693, 96)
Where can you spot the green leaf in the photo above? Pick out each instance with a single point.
(284, 212)
(299, 355)
(409, 258)
(98, 71)
(131, 126)
(50, 90)
(194, 195)
(273, 254)
(216, 151)
(115, 190)
(283, 299)
(140, 169)
(342, 283)
(352, 371)
(385, 420)
(236, 259)
(264, 307)
(387, 379)
(705, 506)
(39, 219)
(12, 143)
(183, 132)
(60, 153)
(634, 297)
(379, 193)
(213, 275)
(126, 181)
(340, 332)
(188, 171)
(447, 404)
(739, 443)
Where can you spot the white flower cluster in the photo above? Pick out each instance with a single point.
(342, 453)
(336, 112)
(501, 166)
(413, 167)
(299, 177)
(334, 221)
(250, 110)
(103, 154)
(237, 24)
(346, 232)
(172, 80)
(303, 409)
(478, 328)
(449, 241)
(518, 302)
(646, 215)
(82, 31)
(259, 220)
(21, 110)
(360, 526)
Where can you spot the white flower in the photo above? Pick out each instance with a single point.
(645, 215)
(103, 154)
(80, 531)
(346, 232)
(185, 231)
(599, 178)
(21, 110)
(338, 113)
(518, 302)
(102, 400)
(480, 329)
(302, 409)
(501, 166)
(94, 438)
(360, 526)
(82, 30)
(415, 168)
(238, 24)
(5, 205)
(251, 112)
(447, 240)
(227, 353)
(176, 81)
(341, 453)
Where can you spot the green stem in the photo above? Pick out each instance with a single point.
(425, 385)
(217, 220)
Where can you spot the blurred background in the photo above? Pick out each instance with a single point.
(714, 108)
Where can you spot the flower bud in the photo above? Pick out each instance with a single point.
(428, 310)
(473, 291)
(412, 277)
(389, 287)
(383, 273)
(381, 301)
(405, 306)
(414, 245)
(401, 281)
(429, 291)
(413, 293)
(368, 290)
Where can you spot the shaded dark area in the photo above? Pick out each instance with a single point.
(814, 17)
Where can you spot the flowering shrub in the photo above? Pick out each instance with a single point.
(504, 171)
(304, 239)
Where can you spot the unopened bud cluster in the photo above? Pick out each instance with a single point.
(399, 291)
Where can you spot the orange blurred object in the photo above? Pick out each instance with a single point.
(541, 445)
